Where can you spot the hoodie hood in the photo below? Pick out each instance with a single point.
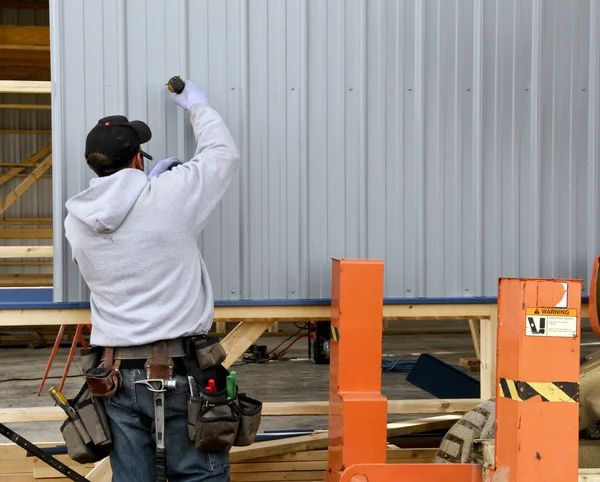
(105, 204)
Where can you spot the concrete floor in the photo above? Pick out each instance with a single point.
(292, 379)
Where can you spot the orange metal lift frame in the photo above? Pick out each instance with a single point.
(535, 430)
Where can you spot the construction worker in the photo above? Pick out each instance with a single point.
(134, 238)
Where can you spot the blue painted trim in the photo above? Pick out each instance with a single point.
(23, 299)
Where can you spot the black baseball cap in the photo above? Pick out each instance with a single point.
(118, 139)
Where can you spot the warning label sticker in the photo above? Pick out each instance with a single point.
(557, 322)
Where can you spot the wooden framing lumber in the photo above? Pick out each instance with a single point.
(24, 36)
(474, 327)
(12, 280)
(240, 338)
(31, 161)
(22, 233)
(24, 5)
(26, 263)
(27, 252)
(246, 314)
(15, 465)
(320, 440)
(26, 106)
(25, 221)
(25, 131)
(18, 191)
(270, 409)
(25, 87)
(488, 353)
(25, 52)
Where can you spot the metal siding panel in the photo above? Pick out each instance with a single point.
(592, 130)
(375, 173)
(276, 162)
(386, 158)
(214, 239)
(258, 141)
(295, 149)
(318, 154)
(451, 139)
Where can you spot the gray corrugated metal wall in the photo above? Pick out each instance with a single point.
(36, 202)
(455, 139)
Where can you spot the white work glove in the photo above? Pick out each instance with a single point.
(162, 166)
(192, 94)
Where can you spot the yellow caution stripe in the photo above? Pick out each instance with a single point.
(548, 391)
(335, 334)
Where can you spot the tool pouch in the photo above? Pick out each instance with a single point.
(250, 417)
(90, 358)
(208, 350)
(104, 380)
(87, 435)
(213, 422)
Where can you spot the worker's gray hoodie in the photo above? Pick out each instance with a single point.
(135, 241)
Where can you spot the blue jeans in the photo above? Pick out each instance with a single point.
(131, 418)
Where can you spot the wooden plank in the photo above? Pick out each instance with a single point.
(25, 36)
(270, 409)
(25, 131)
(23, 233)
(25, 5)
(27, 252)
(24, 87)
(474, 327)
(392, 312)
(25, 221)
(20, 279)
(248, 314)
(29, 162)
(488, 346)
(26, 106)
(101, 473)
(240, 338)
(320, 440)
(24, 73)
(26, 263)
(18, 191)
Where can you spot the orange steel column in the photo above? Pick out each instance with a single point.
(357, 410)
(537, 395)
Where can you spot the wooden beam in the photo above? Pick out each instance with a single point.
(24, 87)
(270, 409)
(24, 5)
(488, 347)
(25, 36)
(320, 440)
(26, 252)
(25, 131)
(24, 233)
(18, 191)
(26, 263)
(25, 221)
(26, 106)
(44, 176)
(22, 280)
(390, 312)
(240, 338)
(475, 335)
(246, 314)
(31, 161)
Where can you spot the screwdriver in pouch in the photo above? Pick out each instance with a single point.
(62, 402)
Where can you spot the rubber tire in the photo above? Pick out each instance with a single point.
(457, 445)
